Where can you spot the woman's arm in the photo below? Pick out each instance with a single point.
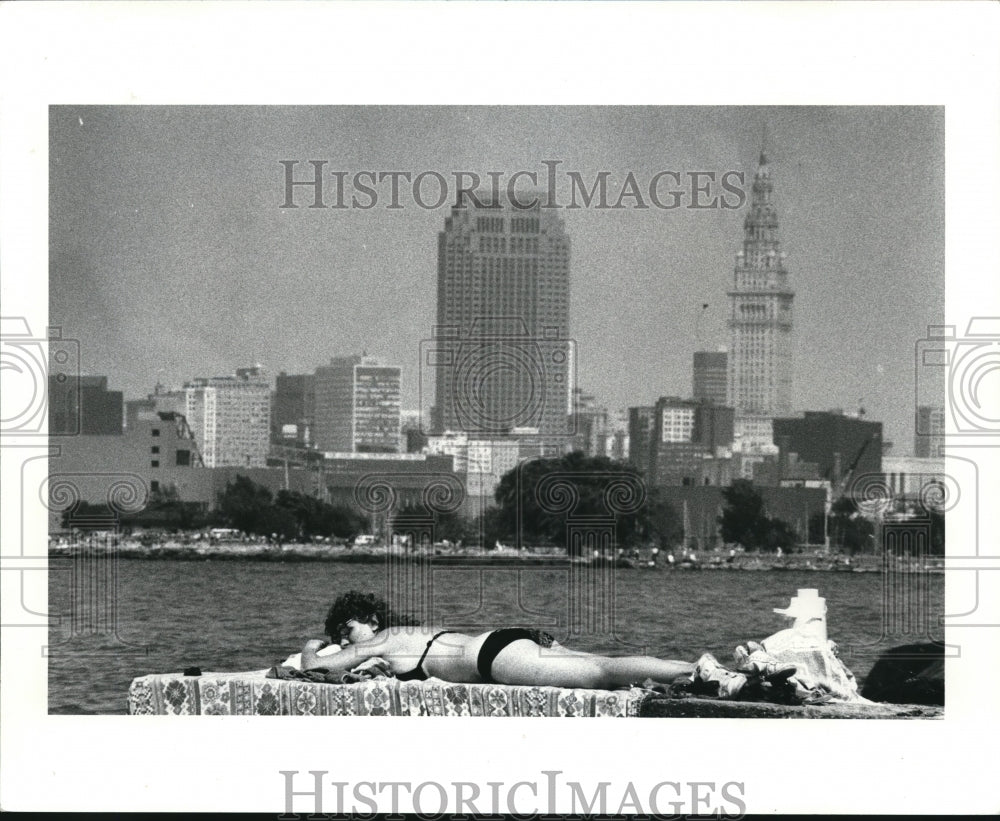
(347, 659)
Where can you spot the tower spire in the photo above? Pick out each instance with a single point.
(760, 301)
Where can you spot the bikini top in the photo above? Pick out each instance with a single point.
(417, 673)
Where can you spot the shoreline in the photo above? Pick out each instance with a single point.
(443, 557)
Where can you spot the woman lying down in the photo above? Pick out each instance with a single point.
(372, 636)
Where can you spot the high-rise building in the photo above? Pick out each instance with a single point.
(293, 407)
(501, 355)
(929, 439)
(711, 376)
(760, 320)
(83, 406)
(357, 406)
(230, 417)
(641, 430)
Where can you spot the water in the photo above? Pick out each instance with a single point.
(247, 615)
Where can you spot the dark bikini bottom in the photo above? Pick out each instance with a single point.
(498, 639)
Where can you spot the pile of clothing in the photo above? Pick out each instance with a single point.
(783, 669)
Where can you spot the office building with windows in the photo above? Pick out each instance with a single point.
(711, 376)
(357, 406)
(500, 353)
(230, 417)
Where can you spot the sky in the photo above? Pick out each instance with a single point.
(171, 256)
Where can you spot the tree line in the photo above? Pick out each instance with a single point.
(523, 513)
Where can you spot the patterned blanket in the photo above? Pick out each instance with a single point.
(252, 693)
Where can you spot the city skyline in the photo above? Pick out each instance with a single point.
(171, 264)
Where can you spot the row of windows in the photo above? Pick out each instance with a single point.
(182, 459)
(493, 224)
(499, 245)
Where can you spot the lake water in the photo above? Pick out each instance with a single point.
(118, 619)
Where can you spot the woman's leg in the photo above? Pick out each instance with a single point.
(524, 662)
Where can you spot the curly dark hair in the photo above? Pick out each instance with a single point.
(357, 605)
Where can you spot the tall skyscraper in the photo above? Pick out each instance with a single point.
(711, 376)
(230, 417)
(357, 406)
(760, 320)
(500, 354)
(641, 430)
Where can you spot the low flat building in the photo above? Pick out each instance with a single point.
(154, 456)
(703, 506)
(911, 478)
(842, 447)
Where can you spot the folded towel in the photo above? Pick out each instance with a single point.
(295, 660)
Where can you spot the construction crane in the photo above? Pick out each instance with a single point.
(839, 485)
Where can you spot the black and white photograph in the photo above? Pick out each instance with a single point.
(385, 410)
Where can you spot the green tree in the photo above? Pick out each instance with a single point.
(450, 526)
(937, 533)
(244, 504)
(490, 526)
(848, 528)
(167, 507)
(659, 521)
(817, 528)
(743, 519)
(314, 517)
(780, 534)
(538, 496)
